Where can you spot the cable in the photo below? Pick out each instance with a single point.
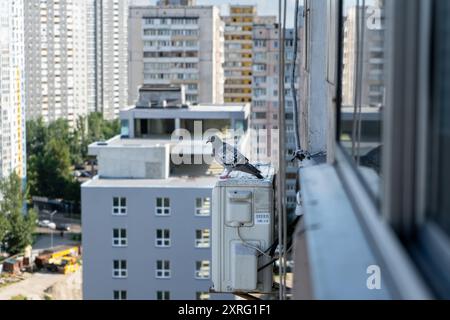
(250, 245)
(283, 262)
(298, 146)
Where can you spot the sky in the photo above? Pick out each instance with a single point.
(265, 7)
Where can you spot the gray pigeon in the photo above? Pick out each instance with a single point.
(231, 159)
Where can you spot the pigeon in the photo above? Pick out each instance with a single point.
(231, 159)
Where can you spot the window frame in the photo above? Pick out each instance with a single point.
(198, 209)
(198, 271)
(163, 239)
(120, 239)
(165, 211)
(202, 239)
(165, 295)
(388, 222)
(163, 273)
(120, 294)
(122, 272)
(121, 209)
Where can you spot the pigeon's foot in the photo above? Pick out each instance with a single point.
(224, 176)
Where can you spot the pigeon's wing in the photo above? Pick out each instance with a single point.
(229, 156)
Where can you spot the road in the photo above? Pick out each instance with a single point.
(43, 242)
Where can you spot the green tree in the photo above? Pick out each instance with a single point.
(20, 226)
(4, 227)
(55, 169)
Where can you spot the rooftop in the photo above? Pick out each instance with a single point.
(201, 111)
(171, 182)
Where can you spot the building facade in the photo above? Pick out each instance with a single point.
(56, 55)
(370, 71)
(238, 53)
(107, 56)
(177, 45)
(12, 93)
(146, 217)
(265, 98)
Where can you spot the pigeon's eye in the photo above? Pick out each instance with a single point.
(213, 139)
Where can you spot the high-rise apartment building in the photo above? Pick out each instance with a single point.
(12, 83)
(56, 55)
(367, 66)
(177, 45)
(265, 97)
(107, 23)
(147, 215)
(238, 53)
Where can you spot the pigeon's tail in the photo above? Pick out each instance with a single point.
(248, 168)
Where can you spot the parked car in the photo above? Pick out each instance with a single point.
(63, 227)
(85, 174)
(43, 223)
(52, 226)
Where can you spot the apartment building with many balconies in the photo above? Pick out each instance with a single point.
(12, 89)
(177, 45)
(147, 215)
(56, 56)
(265, 98)
(107, 56)
(238, 53)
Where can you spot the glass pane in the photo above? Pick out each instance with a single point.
(123, 233)
(124, 264)
(159, 202)
(439, 203)
(116, 295)
(123, 202)
(166, 234)
(159, 264)
(198, 202)
(115, 202)
(116, 264)
(115, 233)
(363, 85)
(166, 202)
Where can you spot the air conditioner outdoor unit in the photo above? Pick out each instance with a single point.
(242, 230)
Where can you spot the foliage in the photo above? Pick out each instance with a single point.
(19, 297)
(54, 149)
(20, 226)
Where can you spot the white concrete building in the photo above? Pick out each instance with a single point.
(147, 219)
(177, 45)
(12, 94)
(56, 55)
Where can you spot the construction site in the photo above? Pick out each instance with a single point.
(53, 274)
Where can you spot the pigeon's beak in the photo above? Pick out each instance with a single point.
(209, 141)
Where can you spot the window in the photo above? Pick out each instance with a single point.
(202, 238)
(120, 238)
(162, 295)
(439, 170)
(203, 207)
(119, 206)
(162, 206)
(119, 295)
(120, 269)
(202, 269)
(162, 238)
(362, 94)
(202, 295)
(163, 269)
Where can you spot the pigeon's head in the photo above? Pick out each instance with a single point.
(213, 140)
